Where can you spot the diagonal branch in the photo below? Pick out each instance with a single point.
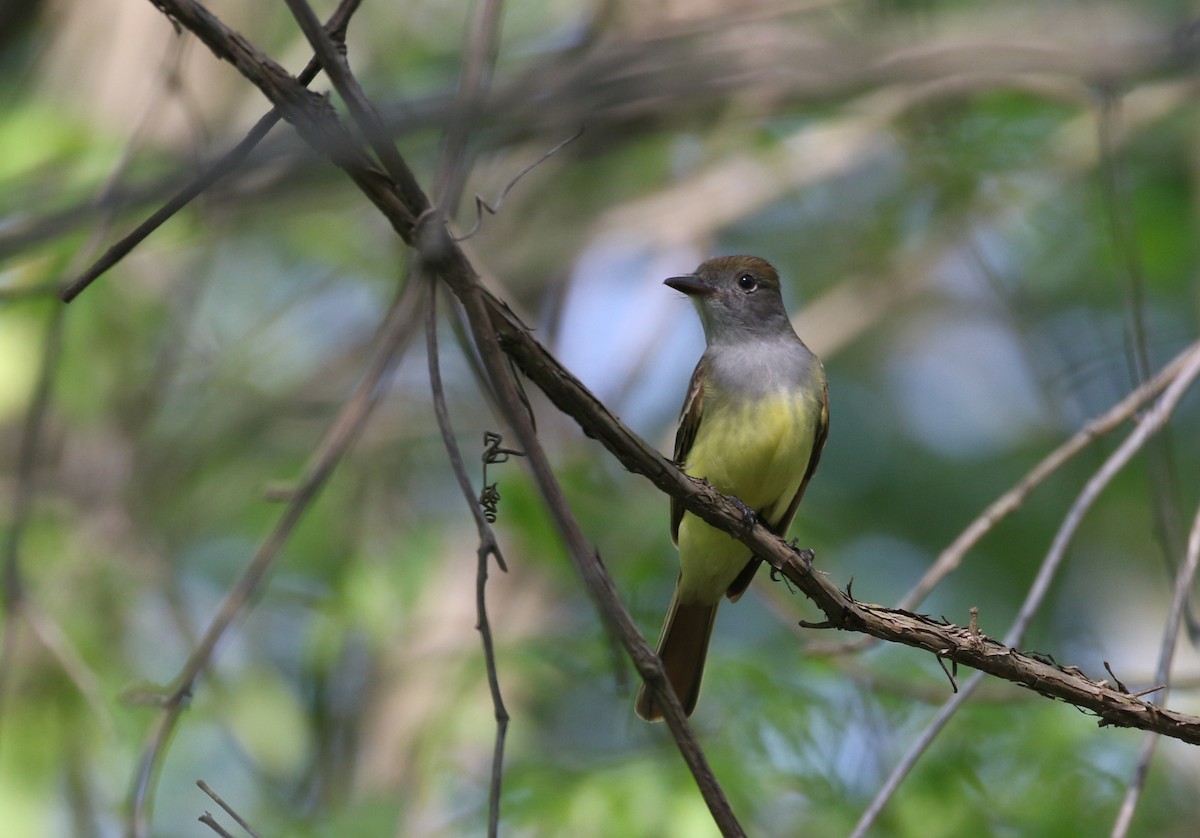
(496, 331)
(1010, 501)
(442, 255)
(1117, 706)
(488, 547)
(228, 163)
(393, 335)
(952, 556)
(1162, 675)
(1067, 684)
(569, 395)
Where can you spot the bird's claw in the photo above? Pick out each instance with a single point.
(806, 554)
(749, 517)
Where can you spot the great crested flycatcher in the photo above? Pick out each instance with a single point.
(753, 425)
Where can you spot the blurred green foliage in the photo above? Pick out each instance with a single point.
(961, 272)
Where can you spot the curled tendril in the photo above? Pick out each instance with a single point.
(489, 498)
(482, 206)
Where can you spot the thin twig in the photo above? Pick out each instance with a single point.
(226, 164)
(333, 61)
(494, 207)
(474, 80)
(1118, 205)
(1154, 420)
(204, 787)
(392, 337)
(208, 820)
(950, 558)
(488, 546)
(1162, 675)
(482, 45)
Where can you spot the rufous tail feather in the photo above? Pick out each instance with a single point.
(682, 648)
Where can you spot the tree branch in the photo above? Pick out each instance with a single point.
(395, 332)
(495, 329)
(403, 204)
(570, 396)
(843, 612)
(226, 164)
(1117, 707)
(488, 547)
(1162, 675)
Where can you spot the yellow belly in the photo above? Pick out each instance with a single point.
(757, 453)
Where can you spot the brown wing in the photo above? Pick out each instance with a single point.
(689, 421)
(739, 585)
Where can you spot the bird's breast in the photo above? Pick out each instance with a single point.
(756, 449)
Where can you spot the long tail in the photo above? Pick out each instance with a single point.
(682, 647)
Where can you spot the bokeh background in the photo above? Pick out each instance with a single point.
(986, 220)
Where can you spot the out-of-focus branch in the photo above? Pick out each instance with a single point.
(403, 204)
(1113, 706)
(843, 612)
(13, 593)
(393, 335)
(950, 558)
(775, 57)
(226, 164)
(494, 329)
(488, 547)
(474, 79)
(1166, 655)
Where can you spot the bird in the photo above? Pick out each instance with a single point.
(753, 426)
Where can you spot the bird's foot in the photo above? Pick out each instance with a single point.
(749, 517)
(806, 554)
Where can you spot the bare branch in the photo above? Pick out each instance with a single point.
(475, 78)
(392, 337)
(208, 820)
(1113, 706)
(488, 547)
(1162, 675)
(226, 164)
(950, 558)
(204, 787)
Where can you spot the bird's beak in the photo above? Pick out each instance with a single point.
(691, 285)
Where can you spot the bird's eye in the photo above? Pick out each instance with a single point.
(747, 282)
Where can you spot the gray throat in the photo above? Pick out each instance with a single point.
(758, 368)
